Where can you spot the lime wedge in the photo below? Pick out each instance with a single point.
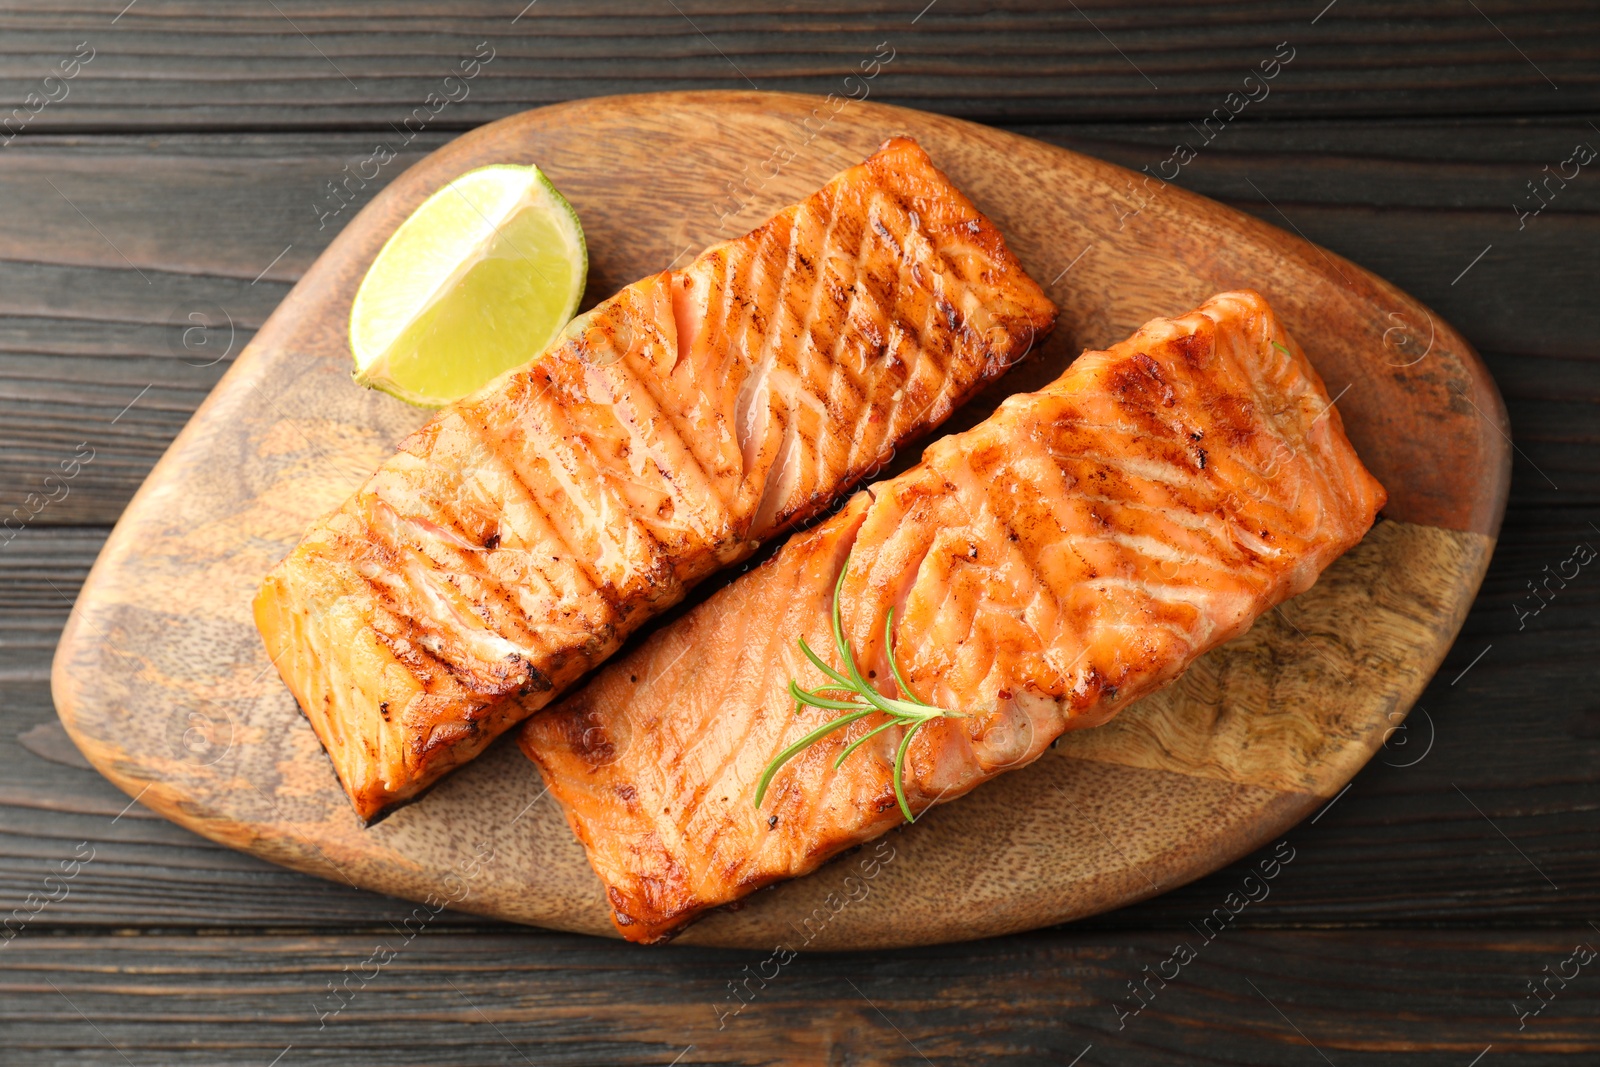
(480, 279)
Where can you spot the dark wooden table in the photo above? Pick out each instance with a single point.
(169, 180)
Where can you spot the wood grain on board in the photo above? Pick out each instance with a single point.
(162, 681)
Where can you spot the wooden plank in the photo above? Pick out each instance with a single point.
(1414, 202)
(1403, 845)
(449, 997)
(40, 572)
(81, 336)
(135, 271)
(304, 64)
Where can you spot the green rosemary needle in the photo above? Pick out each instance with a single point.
(860, 700)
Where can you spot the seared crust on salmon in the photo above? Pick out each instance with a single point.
(1071, 554)
(521, 534)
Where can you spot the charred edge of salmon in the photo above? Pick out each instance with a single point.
(561, 742)
(394, 712)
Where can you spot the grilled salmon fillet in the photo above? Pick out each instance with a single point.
(520, 535)
(1071, 554)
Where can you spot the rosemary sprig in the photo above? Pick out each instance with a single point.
(861, 700)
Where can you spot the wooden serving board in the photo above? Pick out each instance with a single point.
(162, 681)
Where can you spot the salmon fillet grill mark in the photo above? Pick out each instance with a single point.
(1071, 554)
(517, 538)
